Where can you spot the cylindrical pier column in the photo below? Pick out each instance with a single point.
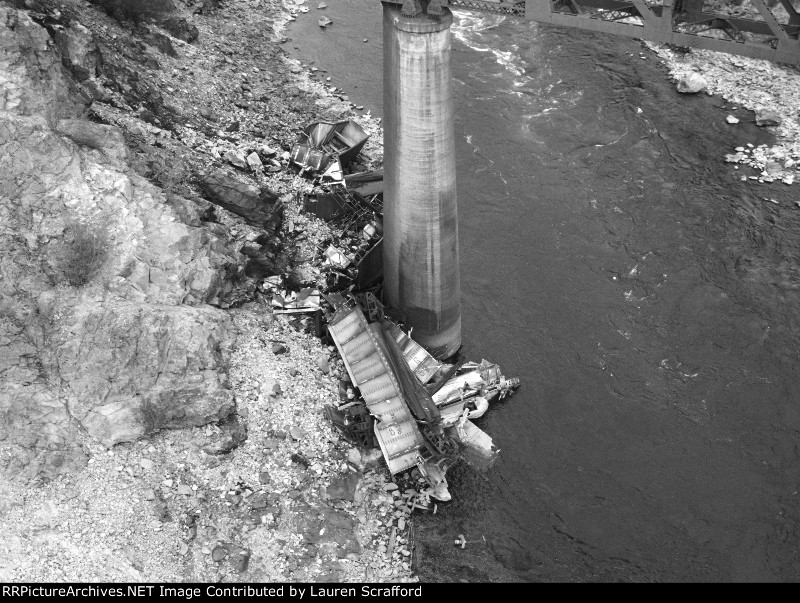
(420, 246)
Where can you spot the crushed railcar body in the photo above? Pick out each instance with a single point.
(326, 148)
(414, 427)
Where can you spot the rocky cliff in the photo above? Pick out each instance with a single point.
(111, 289)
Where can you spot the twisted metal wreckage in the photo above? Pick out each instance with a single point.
(418, 410)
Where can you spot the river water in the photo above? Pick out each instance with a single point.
(646, 296)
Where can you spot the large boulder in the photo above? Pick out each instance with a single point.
(259, 206)
(691, 83)
(132, 369)
(767, 117)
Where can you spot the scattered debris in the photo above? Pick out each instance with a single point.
(306, 300)
(328, 147)
(336, 258)
(413, 427)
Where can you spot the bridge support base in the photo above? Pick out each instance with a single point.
(421, 274)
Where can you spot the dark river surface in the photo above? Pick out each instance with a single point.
(647, 298)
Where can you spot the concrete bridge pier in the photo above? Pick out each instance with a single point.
(421, 274)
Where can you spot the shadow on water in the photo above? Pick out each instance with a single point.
(647, 297)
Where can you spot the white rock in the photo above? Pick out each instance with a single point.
(691, 83)
(236, 158)
(354, 456)
(731, 119)
(254, 161)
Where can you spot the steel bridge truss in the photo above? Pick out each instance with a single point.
(678, 22)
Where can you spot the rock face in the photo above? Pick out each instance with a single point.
(143, 344)
(106, 139)
(259, 206)
(181, 28)
(78, 50)
(691, 83)
(31, 82)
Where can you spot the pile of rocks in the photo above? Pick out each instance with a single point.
(773, 162)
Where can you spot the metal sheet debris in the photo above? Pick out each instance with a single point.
(412, 426)
(370, 268)
(336, 258)
(367, 183)
(305, 300)
(418, 359)
(354, 421)
(397, 432)
(326, 148)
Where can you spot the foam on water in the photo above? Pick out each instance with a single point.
(486, 33)
(474, 30)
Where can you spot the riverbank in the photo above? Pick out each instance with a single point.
(755, 85)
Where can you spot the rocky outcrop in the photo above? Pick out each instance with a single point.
(258, 205)
(143, 343)
(131, 369)
(79, 52)
(181, 28)
(31, 82)
(106, 139)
